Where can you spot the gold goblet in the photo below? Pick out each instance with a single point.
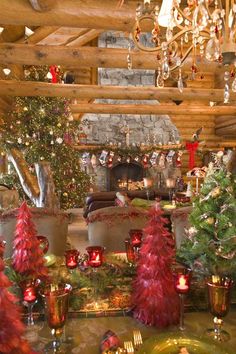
(219, 294)
(56, 299)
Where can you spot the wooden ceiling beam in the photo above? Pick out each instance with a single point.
(85, 38)
(70, 13)
(42, 5)
(29, 54)
(12, 33)
(39, 34)
(153, 109)
(31, 88)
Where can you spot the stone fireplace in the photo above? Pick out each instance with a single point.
(127, 131)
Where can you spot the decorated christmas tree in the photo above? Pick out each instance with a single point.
(11, 326)
(27, 258)
(210, 245)
(154, 298)
(44, 130)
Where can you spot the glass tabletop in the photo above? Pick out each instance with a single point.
(84, 335)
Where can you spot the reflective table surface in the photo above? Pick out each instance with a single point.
(84, 335)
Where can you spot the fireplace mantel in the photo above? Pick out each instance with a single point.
(142, 148)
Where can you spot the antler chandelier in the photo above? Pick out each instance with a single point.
(202, 29)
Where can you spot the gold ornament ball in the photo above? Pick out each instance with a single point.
(216, 192)
(25, 109)
(210, 221)
(59, 125)
(65, 194)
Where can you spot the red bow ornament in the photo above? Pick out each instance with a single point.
(191, 147)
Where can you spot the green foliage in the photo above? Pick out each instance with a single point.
(210, 246)
(43, 129)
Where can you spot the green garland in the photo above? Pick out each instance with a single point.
(132, 151)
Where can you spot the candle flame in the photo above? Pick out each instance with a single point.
(182, 280)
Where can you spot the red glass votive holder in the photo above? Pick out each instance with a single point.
(71, 258)
(182, 277)
(43, 243)
(2, 247)
(29, 290)
(29, 294)
(95, 254)
(130, 254)
(136, 236)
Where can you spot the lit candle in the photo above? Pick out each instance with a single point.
(182, 283)
(95, 255)
(71, 258)
(95, 260)
(136, 237)
(29, 294)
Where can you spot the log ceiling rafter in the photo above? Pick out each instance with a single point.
(74, 56)
(42, 5)
(71, 13)
(31, 88)
(153, 109)
(88, 36)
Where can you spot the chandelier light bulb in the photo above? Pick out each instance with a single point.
(1, 29)
(165, 14)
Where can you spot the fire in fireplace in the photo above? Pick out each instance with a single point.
(126, 176)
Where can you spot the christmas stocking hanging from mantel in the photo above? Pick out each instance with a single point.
(192, 148)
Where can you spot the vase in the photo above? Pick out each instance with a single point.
(56, 299)
(219, 296)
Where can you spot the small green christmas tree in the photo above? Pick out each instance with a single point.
(210, 246)
(43, 129)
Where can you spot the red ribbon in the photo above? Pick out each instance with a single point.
(191, 147)
(53, 71)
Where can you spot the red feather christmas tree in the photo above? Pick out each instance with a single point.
(155, 301)
(28, 260)
(11, 327)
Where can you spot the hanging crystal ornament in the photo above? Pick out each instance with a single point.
(159, 80)
(234, 81)
(213, 46)
(226, 90)
(169, 34)
(186, 37)
(201, 44)
(129, 59)
(156, 29)
(200, 16)
(234, 85)
(165, 65)
(180, 82)
(194, 66)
